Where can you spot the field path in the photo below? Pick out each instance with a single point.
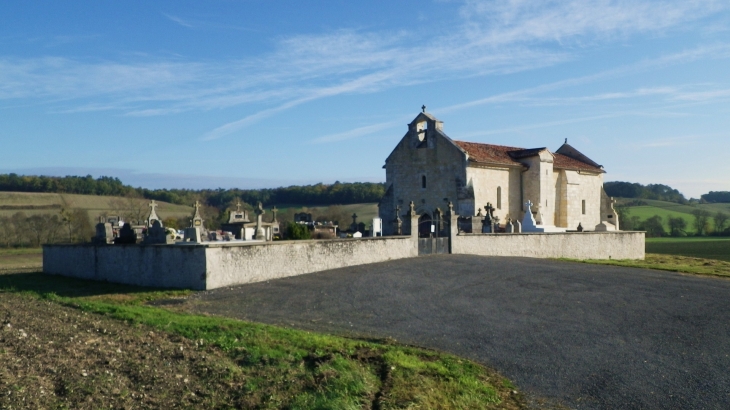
(587, 336)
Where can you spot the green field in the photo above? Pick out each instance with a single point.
(670, 209)
(697, 247)
(32, 203)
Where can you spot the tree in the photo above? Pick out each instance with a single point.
(701, 221)
(677, 225)
(720, 219)
(653, 226)
(297, 231)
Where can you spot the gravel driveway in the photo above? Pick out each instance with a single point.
(586, 336)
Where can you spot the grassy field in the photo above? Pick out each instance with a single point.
(42, 203)
(671, 209)
(672, 263)
(365, 212)
(698, 247)
(21, 258)
(81, 344)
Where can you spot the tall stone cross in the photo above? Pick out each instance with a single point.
(528, 204)
(411, 209)
(451, 208)
(197, 219)
(238, 206)
(274, 210)
(398, 222)
(259, 230)
(153, 214)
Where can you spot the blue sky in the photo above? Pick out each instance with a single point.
(256, 93)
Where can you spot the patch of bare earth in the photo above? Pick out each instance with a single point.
(57, 357)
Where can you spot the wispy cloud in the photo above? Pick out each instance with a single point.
(356, 132)
(178, 20)
(670, 141)
(494, 37)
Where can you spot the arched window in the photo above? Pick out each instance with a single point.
(499, 197)
(423, 181)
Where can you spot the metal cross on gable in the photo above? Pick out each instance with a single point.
(238, 206)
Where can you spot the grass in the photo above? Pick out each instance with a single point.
(365, 212)
(14, 258)
(94, 204)
(671, 209)
(698, 247)
(672, 263)
(286, 368)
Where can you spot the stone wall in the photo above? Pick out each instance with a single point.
(485, 181)
(164, 266)
(573, 245)
(209, 266)
(233, 265)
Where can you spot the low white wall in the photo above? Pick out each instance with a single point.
(154, 266)
(573, 245)
(233, 265)
(210, 266)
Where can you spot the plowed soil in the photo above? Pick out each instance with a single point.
(58, 357)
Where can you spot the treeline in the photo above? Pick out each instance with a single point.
(652, 191)
(715, 197)
(317, 194)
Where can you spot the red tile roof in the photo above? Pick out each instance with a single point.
(500, 154)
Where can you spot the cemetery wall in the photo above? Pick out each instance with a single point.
(232, 265)
(209, 266)
(573, 245)
(153, 265)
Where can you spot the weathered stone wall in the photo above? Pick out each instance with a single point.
(573, 245)
(162, 266)
(209, 266)
(233, 265)
(581, 187)
(486, 180)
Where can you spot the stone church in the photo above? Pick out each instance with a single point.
(427, 167)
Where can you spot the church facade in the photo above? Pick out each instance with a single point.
(427, 167)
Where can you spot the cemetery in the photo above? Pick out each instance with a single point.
(247, 253)
(566, 186)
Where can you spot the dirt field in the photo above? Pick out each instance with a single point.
(58, 357)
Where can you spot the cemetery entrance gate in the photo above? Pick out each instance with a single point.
(433, 234)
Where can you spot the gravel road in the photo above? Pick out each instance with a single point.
(585, 336)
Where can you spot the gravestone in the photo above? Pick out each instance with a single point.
(259, 234)
(508, 227)
(488, 222)
(104, 233)
(153, 214)
(156, 234)
(197, 221)
(398, 223)
(353, 227)
(126, 236)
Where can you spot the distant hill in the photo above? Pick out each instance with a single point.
(658, 192)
